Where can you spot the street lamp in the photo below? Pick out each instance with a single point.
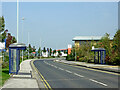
(17, 19)
(22, 35)
(40, 48)
(28, 45)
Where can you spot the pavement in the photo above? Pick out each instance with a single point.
(104, 67)
(23, 79)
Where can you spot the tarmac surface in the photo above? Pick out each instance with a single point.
(60, 75)
(111, 68)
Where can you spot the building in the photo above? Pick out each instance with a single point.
(84, 39)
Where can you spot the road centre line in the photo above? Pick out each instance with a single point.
(55, 67)
(91, 69)
(61, 69)
(98, 82)
(78, 75)
(68, 71)
(82, 76)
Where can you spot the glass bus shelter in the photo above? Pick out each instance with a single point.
(99, 55)
(14, 57)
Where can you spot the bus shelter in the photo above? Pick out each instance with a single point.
(99, 55)
(14, 57)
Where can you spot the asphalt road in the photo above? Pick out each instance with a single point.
(59, 75)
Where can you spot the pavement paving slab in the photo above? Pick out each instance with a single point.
(23, 79)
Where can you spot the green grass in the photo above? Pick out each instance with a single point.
(5, 75)
(0, 77)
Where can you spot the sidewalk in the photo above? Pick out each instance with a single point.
(104, 67)
(23, 79)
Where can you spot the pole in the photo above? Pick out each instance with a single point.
(22, 36)
(28, 45)
(17, 19)
(75, 53)
(40, 48)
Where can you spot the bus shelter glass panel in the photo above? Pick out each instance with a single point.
(13, 60)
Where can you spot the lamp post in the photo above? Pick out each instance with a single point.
(28, 45)
(22, 36)
(17, 19)
(40, 48)
(75, 53)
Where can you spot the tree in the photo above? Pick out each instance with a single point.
(2, 24)
(39, 51)
(116, 42)
(0, 37)
(59, 52)
(3, 35)
(44, 50)
(54, 51)
(14, 39)
(33, 49)
(8, 40)
(105, 43)
(30, 48)
(50, 51)
(116, 49)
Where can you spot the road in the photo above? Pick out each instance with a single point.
(59, 75)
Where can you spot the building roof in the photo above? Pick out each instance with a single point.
(89, 38)
(17, 45)
(98, 49)
(61, 49)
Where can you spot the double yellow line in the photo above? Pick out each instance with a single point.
(47, 86)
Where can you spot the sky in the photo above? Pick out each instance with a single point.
(55, 24)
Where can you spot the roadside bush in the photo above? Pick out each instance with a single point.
(5, 64)
(70, 58)
(117, 61)
(85, 59)
(31, 57)
(81, 59)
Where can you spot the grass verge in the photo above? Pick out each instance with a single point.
(5, 75)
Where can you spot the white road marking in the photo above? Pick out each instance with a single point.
(68, 71)
(78, 75)
(61, 69)
(54, 66)
(98, 82)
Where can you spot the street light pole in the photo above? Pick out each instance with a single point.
(40, 48)
(75, 53)
(22, 36)
(17, 19)
(28, 45)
